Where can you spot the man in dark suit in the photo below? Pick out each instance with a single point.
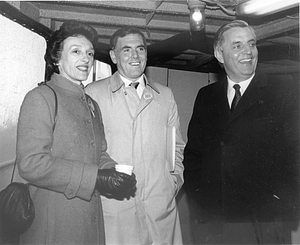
(242, 155)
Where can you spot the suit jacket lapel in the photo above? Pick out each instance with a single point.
(220, 101)
(252, 94)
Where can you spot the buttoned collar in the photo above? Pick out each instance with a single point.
(65, 83)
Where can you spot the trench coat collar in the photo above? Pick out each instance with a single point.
(65, 83)
(117, 83)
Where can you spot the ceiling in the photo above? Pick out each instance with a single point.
(166, 27)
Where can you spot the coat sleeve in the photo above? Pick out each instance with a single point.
(179, 146)
(105, 161)
(192, 152)
(291, 153)
(36, 163)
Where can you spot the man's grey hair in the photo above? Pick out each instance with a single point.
(219, 37)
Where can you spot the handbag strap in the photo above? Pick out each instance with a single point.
(55, 97)
(55, 119)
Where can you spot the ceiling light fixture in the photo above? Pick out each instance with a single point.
(255, 8)
(197, 16)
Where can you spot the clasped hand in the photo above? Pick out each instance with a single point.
(114, 184)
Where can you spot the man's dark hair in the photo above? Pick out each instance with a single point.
(124, 32)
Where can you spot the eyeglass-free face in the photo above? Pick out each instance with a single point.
(76, 59)
(238, 53)
(130, 56)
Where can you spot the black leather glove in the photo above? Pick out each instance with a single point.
(114, 184)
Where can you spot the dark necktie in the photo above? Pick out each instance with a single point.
(135, 85)
(237, 96)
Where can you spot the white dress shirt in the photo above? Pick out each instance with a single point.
(139, 88)
(231, 90)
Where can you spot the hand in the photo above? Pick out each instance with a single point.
(114, 184)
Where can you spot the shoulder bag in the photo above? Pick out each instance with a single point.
(16, 206)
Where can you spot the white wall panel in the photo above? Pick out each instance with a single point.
(22, 67)
(185, 86)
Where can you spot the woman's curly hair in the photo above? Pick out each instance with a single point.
(70, 28)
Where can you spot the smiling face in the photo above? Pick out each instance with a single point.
(130, 56)
(238, 53)
(76, 59)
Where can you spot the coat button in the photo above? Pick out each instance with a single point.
(147, 96)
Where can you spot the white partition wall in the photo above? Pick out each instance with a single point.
(157, 74)
(185, 86)
(22, 67)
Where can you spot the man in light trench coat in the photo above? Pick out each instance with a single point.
(137, 123)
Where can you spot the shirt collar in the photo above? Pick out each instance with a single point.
(127, 82)
(244, 84)
(118, 82)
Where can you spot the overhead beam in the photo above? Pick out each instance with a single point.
(273, 28)
(11, 12)
(112, 20)
(200, 60)
(281, 70)
(285, 40)
(150, 15)
(149, 6)
(278, 52)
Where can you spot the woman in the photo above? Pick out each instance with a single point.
(63, 156)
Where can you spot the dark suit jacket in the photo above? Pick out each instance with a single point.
(245, 162)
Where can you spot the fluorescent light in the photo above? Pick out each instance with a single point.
(264, 7)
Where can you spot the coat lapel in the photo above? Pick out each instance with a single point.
(220, 101)
(252, 94)
(147, 96)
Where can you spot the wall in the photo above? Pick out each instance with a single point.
(22, 67)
